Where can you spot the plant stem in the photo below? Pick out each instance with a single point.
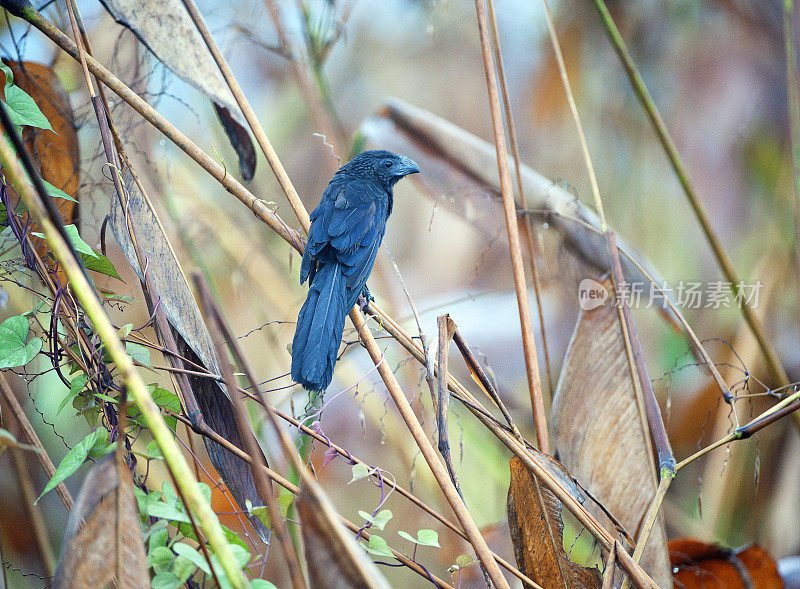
(510, 210)
(638, 85)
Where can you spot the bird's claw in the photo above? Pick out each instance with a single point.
(364, 298)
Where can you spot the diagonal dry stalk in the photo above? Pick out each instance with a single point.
(646, 100)
(509, 208)
(33, 439)
(219, 334)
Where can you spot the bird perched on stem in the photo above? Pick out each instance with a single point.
(346, 231)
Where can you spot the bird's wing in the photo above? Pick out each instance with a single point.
(351, 220)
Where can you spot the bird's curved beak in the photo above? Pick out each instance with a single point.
(408, 166)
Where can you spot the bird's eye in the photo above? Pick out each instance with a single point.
(388, 163)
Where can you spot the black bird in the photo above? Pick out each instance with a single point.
(346, 231)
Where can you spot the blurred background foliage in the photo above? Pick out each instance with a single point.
(716, 71)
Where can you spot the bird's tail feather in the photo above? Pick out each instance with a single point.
(319, 328)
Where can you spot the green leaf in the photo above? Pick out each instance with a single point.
(285, 499)
(75, 387)
(360, 471)
(15, 349)
(377, 546)
(428, 538)
(260, 511)
(407, 536)
(139, 353)
(183, 568)
(160, 558)
(242, 555)
(125, 330)
(192, 555)
(100, 264)
(56, 192)
(77, 241)
(22, 109)
(464, 560)
(101, 447)
(380, 520)
(112, 296)
(153, 451)
(170, 509)
(261, 584)
(166, 580)
(72, 461)
(159, 537)
(167, 400)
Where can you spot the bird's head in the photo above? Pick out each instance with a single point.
(386, 166)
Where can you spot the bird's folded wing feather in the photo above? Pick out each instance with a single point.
(351, 220)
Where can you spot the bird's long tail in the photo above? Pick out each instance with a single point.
(319, 328)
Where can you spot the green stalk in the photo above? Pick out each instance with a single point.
(638, 85)
(794, 120)
(136, 387)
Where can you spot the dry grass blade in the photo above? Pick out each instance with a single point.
(90, 558)
(458, 162)
(598, 431)
(514, 244)
(537, 531)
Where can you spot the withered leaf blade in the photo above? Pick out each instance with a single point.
(334, 559)
(600, 434)
(163, 26)
(458, 163)
(192, 337)
(537, 529)
(699, 564)
(90, 539)
(240, 140)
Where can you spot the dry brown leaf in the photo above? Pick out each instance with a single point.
(333, 558)
(700, 565)
(537, 530)
(90, 539)
(161, 27)
(599, 432)
(55, 153)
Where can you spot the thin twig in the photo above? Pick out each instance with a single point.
(509, 208)
(527, 229)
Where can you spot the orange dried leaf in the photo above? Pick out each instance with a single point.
(698, 564)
